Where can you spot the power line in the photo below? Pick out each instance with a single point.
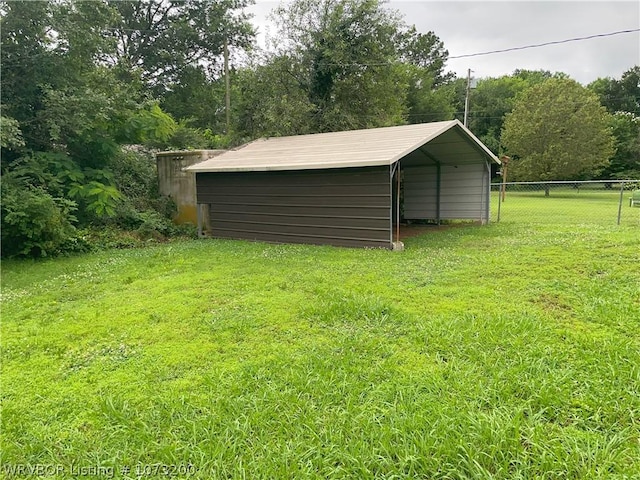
(536, 45)
(511, 49)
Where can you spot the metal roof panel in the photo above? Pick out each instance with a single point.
(353, 148)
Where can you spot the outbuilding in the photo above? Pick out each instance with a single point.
(345, 188)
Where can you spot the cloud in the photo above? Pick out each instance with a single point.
(468, 27)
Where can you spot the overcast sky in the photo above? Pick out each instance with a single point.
(468, 27)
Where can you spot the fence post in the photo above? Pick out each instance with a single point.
(620, 201)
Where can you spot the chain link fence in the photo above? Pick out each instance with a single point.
(606, 202)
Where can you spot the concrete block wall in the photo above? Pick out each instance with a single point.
(179, 185)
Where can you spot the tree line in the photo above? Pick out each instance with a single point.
(89, 89)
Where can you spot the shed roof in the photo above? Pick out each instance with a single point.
(446, 142)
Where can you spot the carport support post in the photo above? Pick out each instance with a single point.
(394, 169)
(199, 213)
(438, 188)
(398, 203)
(486, 196)
(397, 245)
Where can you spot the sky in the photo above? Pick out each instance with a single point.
(469, 27)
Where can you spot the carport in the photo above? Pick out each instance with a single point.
(345, 188)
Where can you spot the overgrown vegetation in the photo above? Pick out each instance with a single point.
(79, 87)
(506, 351)
(84, 81)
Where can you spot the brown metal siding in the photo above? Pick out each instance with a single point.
(343, 207)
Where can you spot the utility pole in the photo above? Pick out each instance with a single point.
(466, 98)
(227, 85)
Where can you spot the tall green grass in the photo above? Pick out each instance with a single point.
(506, 351)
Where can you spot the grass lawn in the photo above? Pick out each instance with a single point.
(510, 351)
(566, 206)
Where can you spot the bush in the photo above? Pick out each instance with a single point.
(109, 237)
(36, 224)
(135, 175)
(45, 196)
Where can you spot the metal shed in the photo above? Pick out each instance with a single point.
(345, 188)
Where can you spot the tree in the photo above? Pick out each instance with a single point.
(430, 91)
(426, 101)
(620, 95)
(269, 100)
(557, 130)
(622, 99)
(625, 164)
(10, 134)
(159, 39)
(493, 98)
(344, 64)
(66, 116)
(197, 100)
(343, 55)
(425, 50)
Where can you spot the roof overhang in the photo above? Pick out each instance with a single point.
(447, 142)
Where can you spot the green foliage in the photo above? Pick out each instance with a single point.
(34, 223)
(149, 125)
(161, 42)
(339, 68)
(620, 95)
(493, 98)
(197, 100)
(426, 51)
(425, 102)
(68, 110)
(187, 137)
(557, 130)
(101, 200)
(141, 212)
(340, 65)
(53, 171)
(625, 163)
(91, 190)
(135, 176)
(270, 101)
(10, 133)
(622, 99)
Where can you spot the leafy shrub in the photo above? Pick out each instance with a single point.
(155, 226)
(186, 138)
(36, 224)
(135, 175)
(100, 199)
(108, 237)
(144, 212)
(46, 195)
(92, 190)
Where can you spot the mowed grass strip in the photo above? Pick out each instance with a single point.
(505, 351)
(565, 205)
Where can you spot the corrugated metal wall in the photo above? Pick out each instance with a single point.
(463, 192)
(343, 207)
